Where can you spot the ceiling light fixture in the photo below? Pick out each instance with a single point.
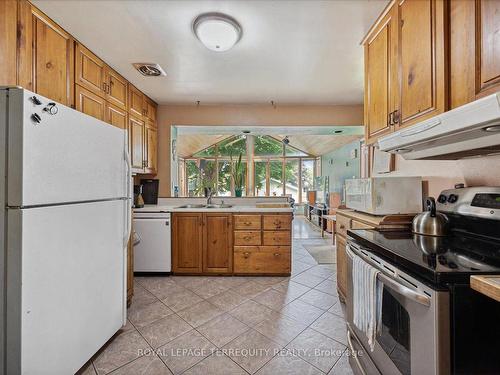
(149, 69)
(217, 31)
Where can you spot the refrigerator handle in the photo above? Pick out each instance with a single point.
(128, 205)
(128, 224)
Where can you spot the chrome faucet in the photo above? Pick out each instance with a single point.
(209, 196)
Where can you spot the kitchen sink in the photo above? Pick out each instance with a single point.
(218, 206)
(206, 206)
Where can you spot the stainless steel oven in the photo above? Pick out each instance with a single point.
(414, 336)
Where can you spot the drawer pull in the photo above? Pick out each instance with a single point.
(342, 226)
(246, 255)
(247, 223)
(247, 238)
(276, 254)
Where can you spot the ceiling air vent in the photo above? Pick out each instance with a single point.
(149, 69)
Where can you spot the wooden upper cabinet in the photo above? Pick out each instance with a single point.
(381, 80)
(136, 134)
(150, 110)
(8, 42)
(217, 243)
(45, 56)
(474, 50)
(90, 103)
(117, 89)
(151, 149)
(422, 60)
(187, 242)
(93, 74)
(488, 46)
(90, 71)
(136, 101)
(116, 116)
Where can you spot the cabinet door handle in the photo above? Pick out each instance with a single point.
(104, 87)
(390, 118)
(395, 117)
(342, 226)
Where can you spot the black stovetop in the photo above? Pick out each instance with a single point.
(440, 261)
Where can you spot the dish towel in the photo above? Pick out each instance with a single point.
(367, 298)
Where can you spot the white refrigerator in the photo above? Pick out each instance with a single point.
(64, 225)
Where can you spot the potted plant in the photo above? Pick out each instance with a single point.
(237, 175)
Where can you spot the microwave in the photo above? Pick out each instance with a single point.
(384, 195)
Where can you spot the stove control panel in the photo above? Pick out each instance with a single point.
(475, 201)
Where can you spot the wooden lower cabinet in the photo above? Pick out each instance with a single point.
(202, 243)
(211, 244)
(187, 242)
(262, 260)
(217, 243)
(341, 267)
(262, 244)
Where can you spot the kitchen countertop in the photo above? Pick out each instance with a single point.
(489, 285)
(234, 209)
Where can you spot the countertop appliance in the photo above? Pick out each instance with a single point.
(432, 321)
(64, 225)
(471, 129)
(430, 222)
(153, 253)
(385, 195)
(150, 188)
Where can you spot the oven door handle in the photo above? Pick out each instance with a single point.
(392, 283)
(404, 291)
(355, 356)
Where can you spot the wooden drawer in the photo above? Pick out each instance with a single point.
(343, 224)
(244, 249)
(264, 249)
(247, 238)
(359, 225)
(262, 262)
(277, 222)
(280, 238)
(247, 222)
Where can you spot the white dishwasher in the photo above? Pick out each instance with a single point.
(153, 252)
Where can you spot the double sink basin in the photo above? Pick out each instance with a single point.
(222, 205)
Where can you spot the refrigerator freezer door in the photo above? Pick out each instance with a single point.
(66, 157)
(70, 262)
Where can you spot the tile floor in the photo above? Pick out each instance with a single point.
(233, 325)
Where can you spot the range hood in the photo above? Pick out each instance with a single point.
(470, 130)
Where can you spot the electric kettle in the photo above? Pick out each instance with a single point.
(430, 222)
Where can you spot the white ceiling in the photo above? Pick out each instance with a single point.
(291, 51)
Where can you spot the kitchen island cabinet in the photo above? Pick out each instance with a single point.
(223, 243)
